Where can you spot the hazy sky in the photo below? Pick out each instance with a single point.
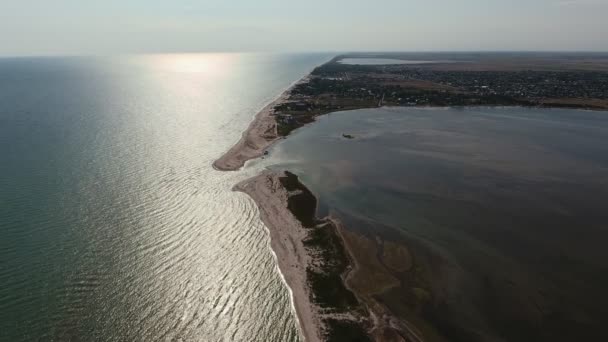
(42, 27)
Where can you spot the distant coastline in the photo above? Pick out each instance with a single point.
(334, 86)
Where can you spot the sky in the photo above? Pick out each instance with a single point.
(85, 27)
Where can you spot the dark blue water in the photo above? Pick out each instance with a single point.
(113, 224)
(509, 204)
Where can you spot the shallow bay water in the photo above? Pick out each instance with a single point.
(509, 205)
(114, 225)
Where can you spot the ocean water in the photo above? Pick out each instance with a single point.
(113, 224)
(508, 203)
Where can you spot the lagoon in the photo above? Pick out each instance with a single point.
(505, 205)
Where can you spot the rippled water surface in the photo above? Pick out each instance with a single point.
(113, 224)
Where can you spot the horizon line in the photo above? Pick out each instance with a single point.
(336, 52)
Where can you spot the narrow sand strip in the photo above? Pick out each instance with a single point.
(287, 236)
(261, 133)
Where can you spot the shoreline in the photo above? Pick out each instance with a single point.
(260, 134)
(287, 237)
(317, 261)
(313, 259)
(264, 130)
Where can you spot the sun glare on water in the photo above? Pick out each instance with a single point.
(205, 63)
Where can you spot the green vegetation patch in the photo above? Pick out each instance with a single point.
(345, 331)
(325, 278)
(326, 281)
(302, 205)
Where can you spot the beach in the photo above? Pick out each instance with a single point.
(261, 133)
(319, 263)
(287, 236)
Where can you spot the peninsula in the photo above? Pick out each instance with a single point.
(350, 287)
(426, 79)
(333, 274)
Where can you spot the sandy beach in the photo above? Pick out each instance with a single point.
(261, 133)
(287, 235)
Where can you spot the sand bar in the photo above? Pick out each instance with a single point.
(287, 235)
(261, 133)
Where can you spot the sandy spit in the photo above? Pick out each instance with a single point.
(261, 133)
(287, 236)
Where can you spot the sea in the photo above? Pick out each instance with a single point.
(115, 227)
(113, 224)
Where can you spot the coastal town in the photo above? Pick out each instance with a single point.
(335, 86)
(440, 80)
